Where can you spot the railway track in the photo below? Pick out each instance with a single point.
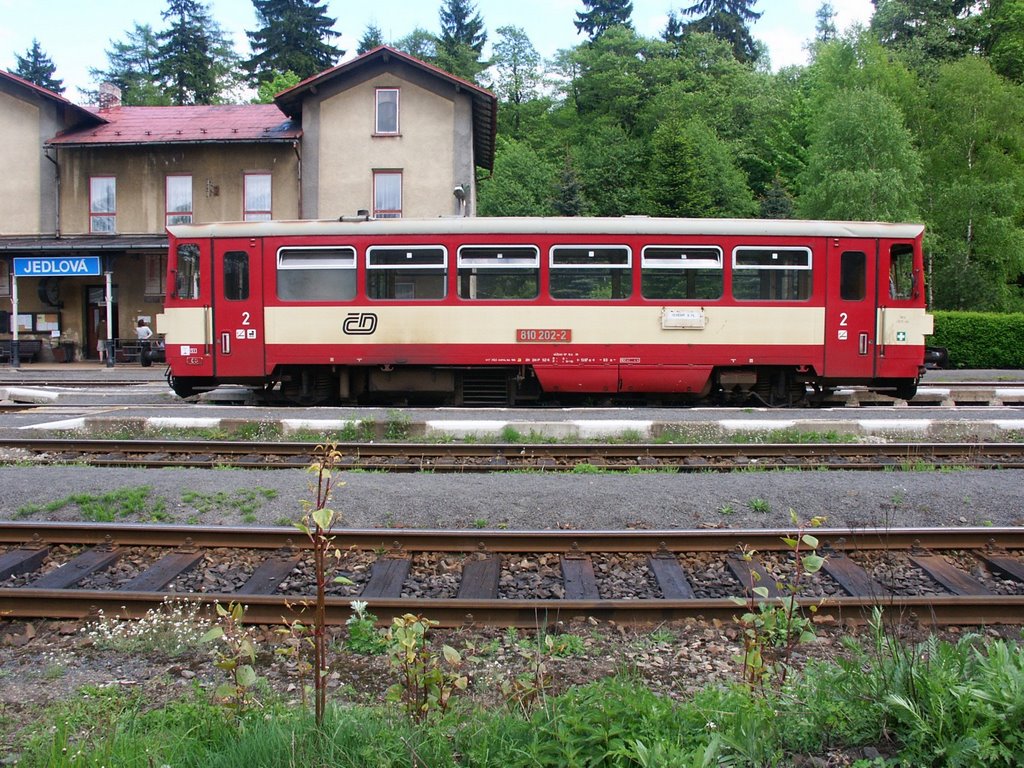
(967, 576)
(506, 457)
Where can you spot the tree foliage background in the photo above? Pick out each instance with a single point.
(918, 116)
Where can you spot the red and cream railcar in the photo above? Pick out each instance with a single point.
(488, 311)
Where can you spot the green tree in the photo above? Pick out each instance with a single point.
(36, 67)
(777, 203)
(372, 38)
(267, 91)
(601, 15)
(568, 199)
(693, 173)
(517, 72)
(727, 20)
(1005, 43)
(294, 37)
(420, 43)
(462, 40)
(973, 147)
(133, 66)
(927, 32)
(825, 23)
(521, 185)
(196, 61)
(861, 163)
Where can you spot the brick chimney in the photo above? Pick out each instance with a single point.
(110, 96)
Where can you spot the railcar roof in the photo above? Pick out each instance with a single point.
(620, 227)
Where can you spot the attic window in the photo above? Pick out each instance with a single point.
(386, 112)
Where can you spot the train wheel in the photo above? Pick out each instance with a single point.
(185, 386)
(906, 389)
(309, 388)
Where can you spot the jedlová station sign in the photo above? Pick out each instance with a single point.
(66, 266)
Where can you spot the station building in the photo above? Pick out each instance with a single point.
(86, 193)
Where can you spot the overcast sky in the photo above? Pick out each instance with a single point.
(76, 34)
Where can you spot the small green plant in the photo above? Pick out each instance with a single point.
(726, 509)
(173, 629)
(363, 635)
(236, 656)
(585, 468)
(773, 628)
(398, 426)
(480, 523)
(426, 680)
(760, 506)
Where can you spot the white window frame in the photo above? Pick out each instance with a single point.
(386, 130)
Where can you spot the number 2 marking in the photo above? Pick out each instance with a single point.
(843, 317)
(246, 316)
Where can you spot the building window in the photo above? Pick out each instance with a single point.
(102, 204)
(179, 200)
(387, 111)
(387, 194)
(257, 197)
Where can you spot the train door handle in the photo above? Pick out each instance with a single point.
(225, 343)
(864, 343)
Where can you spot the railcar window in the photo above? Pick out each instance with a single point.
(771, 274)
(316, 274)
(186, 281)
(591, 272)
(406, 272)
(681, 272)
(901, 271)
(853, 276)
(499, 272)
(236, 275)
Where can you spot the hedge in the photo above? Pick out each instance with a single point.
(980, 339)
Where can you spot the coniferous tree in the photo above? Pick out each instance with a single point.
(727, 20)
(196, 59)
(36, 67)
(601, 15)
(133, 67)
(294, 37)
(462, 39)
(825, 23)
(372, 38)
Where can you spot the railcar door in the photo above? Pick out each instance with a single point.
(238, 308)
(850, 332)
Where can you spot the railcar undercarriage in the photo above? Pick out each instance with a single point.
(495, 387)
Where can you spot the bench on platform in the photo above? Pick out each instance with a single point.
(28, 350)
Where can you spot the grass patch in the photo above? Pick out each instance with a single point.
(108, 507)
(246, 501)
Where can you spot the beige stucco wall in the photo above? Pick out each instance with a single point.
(21, 184)
(217, 182)
(348, 152)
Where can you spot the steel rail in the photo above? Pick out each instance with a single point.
(457, 457)
(969, 608)
(558, 541)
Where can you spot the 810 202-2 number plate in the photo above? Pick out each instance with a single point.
(544, 335)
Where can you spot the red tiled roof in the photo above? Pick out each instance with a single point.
(242, 123)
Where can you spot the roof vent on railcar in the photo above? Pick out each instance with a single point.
(361, 215)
